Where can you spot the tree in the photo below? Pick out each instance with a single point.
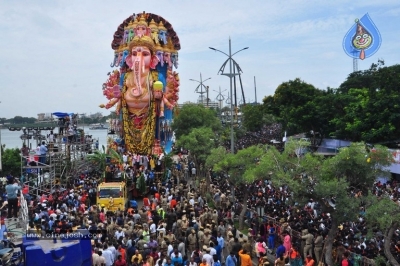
(193, 116)
(372, 111)
(295, 107)
(254, 117)
(99, 159)
(237, 166)
(199, 142)
(384, 214)
(11, 161)
(215, 156)
(331, 182)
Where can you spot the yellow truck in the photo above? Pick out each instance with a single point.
(112, 195)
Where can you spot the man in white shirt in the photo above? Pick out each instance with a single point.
(170, 249)
(153, 228)
(191, 201)
(107, 254)
(119, 233)
(194, 174)
(113, 251)
(207, 256)
(213, 251)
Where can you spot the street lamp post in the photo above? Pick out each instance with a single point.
(201, 86)
(233, 63)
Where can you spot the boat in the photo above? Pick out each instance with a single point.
(97, 126)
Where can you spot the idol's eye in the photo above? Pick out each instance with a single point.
(365, 36)
(358, 37)
(134, 53)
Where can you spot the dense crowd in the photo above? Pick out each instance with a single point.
(185, 221)
(274, 203)
(266, 135)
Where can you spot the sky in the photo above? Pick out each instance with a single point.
(55, 55)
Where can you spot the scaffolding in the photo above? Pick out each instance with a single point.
(65, 159)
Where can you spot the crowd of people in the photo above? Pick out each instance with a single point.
(266, 135)
(270, 203)
(193, 221)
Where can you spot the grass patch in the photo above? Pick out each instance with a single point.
(245, 230)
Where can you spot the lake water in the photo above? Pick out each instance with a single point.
(12, 138)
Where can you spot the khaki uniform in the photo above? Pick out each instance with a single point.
(308, 244)
(318, 248)
(230, 244)
(224, 201)
(247, 246)
(185, 224)
(200, 235)
(203, 219)
(178, 226)
(143, 216)
(206, 239)
(171, 238)
(160, 238)
(192, 239)
(215, 217)
(164, 203)
(140, 244)
(303, 242)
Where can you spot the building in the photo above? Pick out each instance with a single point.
(96, 115)
(44, 117)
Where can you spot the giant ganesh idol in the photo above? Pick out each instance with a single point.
(144, 87)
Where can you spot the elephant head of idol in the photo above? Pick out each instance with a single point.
(141, 59)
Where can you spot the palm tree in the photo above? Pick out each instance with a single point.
(99, 159)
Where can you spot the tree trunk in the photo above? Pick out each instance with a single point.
(244, 209)
(329, 242)
(388, 240)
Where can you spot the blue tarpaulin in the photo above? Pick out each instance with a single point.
(61, 115)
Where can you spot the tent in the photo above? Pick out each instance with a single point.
(62, 115)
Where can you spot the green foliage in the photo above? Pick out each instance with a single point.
(366, 106)
(114, 155)
(239, 165)
(311, 176)
(382, 212)
(216, 155)
(372, 110)
(289, 168)
(295, 106)
(193, 116)
(359, 166)
(11, 161)
(99, 159)
(254, 117)
(199, 141)
(168, 161)
(141, 185)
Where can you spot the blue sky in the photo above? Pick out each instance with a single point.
(55, 55)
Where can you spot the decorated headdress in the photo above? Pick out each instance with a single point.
(161, 26)
(143, 41)
(153, 24)
(151, 21)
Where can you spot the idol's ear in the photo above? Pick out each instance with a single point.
(154, 61)
(128, 61)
